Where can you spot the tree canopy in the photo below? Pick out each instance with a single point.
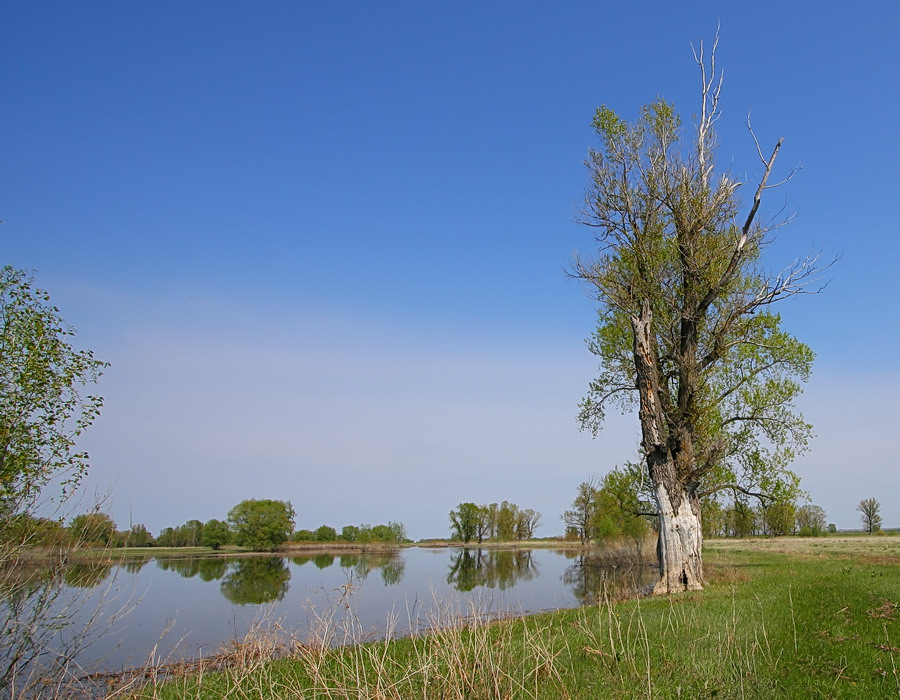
(503, 522)
(261, 525)
(215, 534)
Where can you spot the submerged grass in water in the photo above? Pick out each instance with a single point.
(812, 623)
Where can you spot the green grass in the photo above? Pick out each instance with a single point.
(811, 621)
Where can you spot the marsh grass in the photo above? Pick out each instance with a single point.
(810, 624)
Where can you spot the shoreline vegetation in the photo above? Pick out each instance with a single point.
(780, 618)
(842, 543)
(292, 549)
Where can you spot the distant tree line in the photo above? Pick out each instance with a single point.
(393, 532)
(504, 522)
(94, 529)
(775, 518)
(258, 525)
(264, 525)
(621, 505)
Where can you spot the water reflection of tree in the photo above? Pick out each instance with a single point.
(186, 567)
(594, 576)
(133, 566)
(86, 574)
(491, 568)
(212, 568)
(256, 580)
(392, 570)
(391, 565)
(207, 568)
(323, 561)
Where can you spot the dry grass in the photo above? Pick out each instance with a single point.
(883, 548)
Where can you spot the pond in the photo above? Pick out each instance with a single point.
(182, 607)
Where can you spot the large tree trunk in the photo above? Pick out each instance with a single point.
(669, 456)
(680, 540)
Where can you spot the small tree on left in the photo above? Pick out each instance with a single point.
(45, 405)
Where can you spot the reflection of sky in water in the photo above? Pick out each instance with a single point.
(399, 592)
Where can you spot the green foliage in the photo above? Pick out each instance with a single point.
(715, 517)
(503, 522)
(304, 536)
(811, 520)
(382, 533)
(580, 519)
(779, 517)
(326, 533)
(618, 506)
(261, 525)
(92, 528)
(620, 509)
(192, 533)
(166, 537)
(349, 533)
(28, 531)
(43, 405)
(464, 521)
(397, 531)
(216, 533)
(188, 535)
(139, 536)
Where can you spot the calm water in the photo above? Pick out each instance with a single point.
(186, 606)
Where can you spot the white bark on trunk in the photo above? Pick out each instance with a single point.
(680, 544)
(680, 536)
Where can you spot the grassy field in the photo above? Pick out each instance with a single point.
(784, 618)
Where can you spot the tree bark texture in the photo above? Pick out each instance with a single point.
(680, 539)
(680, 536)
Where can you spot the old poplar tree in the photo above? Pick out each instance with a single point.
(686, 333)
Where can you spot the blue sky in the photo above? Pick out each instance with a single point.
(323, 243)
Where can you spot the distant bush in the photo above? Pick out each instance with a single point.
(92, 528)
(326, 533)
(261, 525)
(215, 534)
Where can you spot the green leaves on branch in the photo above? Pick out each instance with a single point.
(614, 507)
(44, 402)
(670, 240)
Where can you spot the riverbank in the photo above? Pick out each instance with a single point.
(289, 549)
(816, 618)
